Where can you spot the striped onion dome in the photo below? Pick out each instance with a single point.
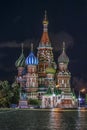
(31, 59)
(21, 60)
(63, 58)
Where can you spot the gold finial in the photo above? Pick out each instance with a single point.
(31, 46)
(45, 21)
(63, 46)
(22, 45)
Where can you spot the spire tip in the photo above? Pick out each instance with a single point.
(22, 45)
(63, 46)
(45, 15)
(45, 21)
(31, 46)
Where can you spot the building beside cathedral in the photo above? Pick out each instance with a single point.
(40, 77)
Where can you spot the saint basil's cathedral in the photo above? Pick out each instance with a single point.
(41, 78)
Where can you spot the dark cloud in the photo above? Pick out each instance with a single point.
(59, 38)
(13, 44)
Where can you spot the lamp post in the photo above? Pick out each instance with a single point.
(86, 100)
(79, 97)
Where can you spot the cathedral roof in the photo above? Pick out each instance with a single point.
(57, 91)
(45, 41)
(31, 59)
(63, 58)
(21, 60)
(49, 91)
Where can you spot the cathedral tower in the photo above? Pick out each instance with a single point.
(63, 76)
(44, 53)
(31, 75)
(20, 65)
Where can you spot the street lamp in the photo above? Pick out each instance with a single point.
(79, 99)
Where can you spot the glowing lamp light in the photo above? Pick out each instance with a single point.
(82, 90)
(53, 95)
(57, 86)
(79, 99)
(73, 97)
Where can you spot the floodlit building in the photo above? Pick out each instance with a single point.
(44, 79)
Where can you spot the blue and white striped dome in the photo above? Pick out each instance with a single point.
(31, 59)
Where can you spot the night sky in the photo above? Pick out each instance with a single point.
(21, 21)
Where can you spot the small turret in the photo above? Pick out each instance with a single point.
(63, 58)
(21, 60)
(31, 75)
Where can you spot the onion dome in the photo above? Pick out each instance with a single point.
(31, 59)
(50, 69)
(21, 60)
(63, 58)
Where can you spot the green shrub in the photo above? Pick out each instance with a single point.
(34, 102)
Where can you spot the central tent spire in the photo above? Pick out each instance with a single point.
(45, 38)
